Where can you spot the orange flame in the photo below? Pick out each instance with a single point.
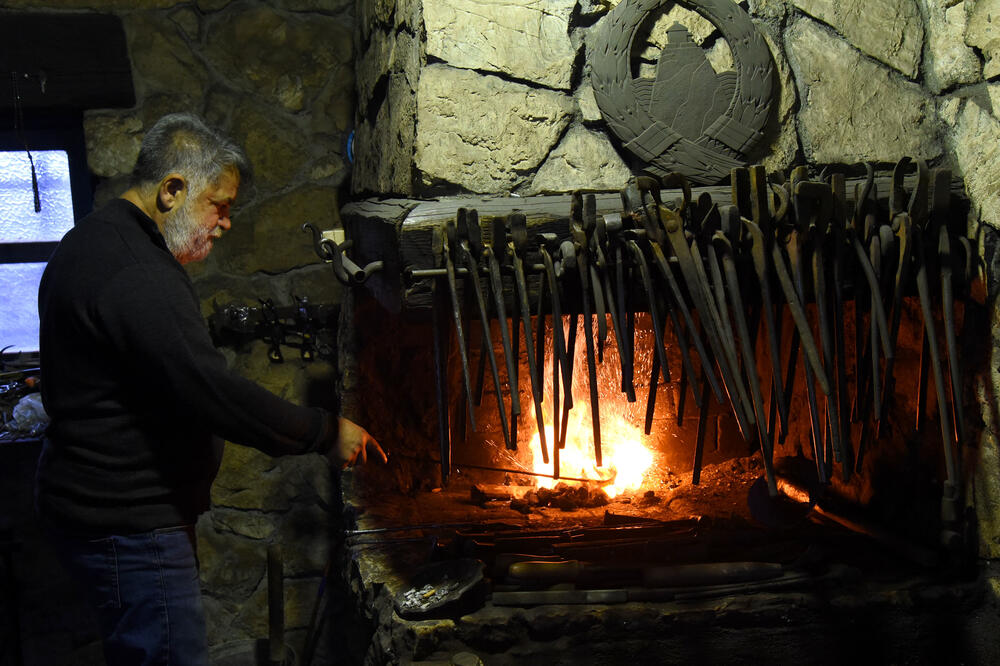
(625, 458)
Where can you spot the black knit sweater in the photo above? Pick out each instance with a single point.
(136, 392)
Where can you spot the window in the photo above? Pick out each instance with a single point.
(53, 66)
(27, 237)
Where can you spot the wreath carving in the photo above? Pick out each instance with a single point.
(688, 118)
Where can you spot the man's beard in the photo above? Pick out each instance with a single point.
(185, 237)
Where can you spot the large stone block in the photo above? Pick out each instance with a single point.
(155, 106)
(587, 104)
(162, 59)
(853, 109)
(888, 30)
(188, 20)
(286, 59)
(582, 160)
(949, 62)
(276, 146)
(383, 142)
(528, 40)
(112, 144)
(984, 32)
(372, 14)
(593, 8)
(316, 283)
(783, 148)
(268, 236)
(216, 290)
(383, 150)
(250, 484)
(483, 133)
(230, 562)
(699, 27)
(975, 141)
(308, 533)
(769, 9)
(993, 89)
(376, 62)
(251, 616)
(241, 465)
(409, 15)
(387, 53)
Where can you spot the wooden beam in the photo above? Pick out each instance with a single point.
(405, 233)
(16, 253)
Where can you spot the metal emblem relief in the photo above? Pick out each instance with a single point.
(688, 118)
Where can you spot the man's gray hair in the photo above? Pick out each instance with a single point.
(183, 143)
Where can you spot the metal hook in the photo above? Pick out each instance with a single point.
(346, 271)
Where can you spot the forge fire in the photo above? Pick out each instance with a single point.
(627, 457)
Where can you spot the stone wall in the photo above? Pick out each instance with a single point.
(279, 77)
(495, 97)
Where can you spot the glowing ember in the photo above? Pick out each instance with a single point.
(625, 462)
(625, 459)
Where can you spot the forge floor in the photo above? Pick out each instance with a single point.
(723, 489)
(841, 589)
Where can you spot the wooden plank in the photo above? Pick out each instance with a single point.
(373, 227)
(555, 206)
(418, 245)
(544, 206)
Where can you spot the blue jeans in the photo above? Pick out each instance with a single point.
(145, 592)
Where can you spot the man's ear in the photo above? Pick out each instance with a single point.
(171, 193)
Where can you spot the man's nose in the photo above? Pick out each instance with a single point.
(225, 222)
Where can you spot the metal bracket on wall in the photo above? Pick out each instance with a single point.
(335, 252)
(312, 329)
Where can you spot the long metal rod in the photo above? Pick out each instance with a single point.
(496, 283)
(749, 359)
(508, 470)
(460, 271)
(441, 340)
(487, 342)
(675, 292)
(422, 273)
(459, 333)
(795, 248)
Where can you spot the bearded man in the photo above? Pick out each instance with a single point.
(139, 398)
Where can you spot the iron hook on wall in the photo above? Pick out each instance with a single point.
(346, 271)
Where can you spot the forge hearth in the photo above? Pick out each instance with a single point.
(831, 581)
(670, 511)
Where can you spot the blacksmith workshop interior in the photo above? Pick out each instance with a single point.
(677, 320)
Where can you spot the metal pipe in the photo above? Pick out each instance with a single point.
(508, 470)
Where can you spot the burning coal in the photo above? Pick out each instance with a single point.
(625, 457)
